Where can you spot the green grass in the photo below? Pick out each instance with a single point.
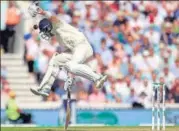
(176, 128)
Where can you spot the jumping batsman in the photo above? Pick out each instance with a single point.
(77, 51)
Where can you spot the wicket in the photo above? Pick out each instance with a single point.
(157, 88)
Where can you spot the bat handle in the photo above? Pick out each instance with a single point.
(68, 94)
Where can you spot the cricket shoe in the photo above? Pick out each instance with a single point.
(99, 83)
(43, 92)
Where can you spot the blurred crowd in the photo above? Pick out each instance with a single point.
(135, 42)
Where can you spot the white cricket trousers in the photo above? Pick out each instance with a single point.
(74, 62)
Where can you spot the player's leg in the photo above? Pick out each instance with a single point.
(56, 62)
(76, 66)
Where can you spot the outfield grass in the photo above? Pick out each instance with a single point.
(85, 129)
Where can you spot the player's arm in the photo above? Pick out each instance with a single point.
(34, 9)
(48, 15)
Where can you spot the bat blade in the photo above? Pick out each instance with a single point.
(68, 116)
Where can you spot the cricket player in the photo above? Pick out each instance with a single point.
(73, 59)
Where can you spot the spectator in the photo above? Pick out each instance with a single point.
(32, 51)
(124, 90)
(145, 90)
(144, 41)
(174, 85)
(165, 58)
(176, 12)
(170, 98)
(111, 93)
(114, 68)
(61, 13)
(90, 10)
(76, 21)
(96, 96)
(118, 49)
(94, 35)
(129, 44)
(134, 100)
(137, 21)
(4, 7)
(169, 18)
(154, 77)
(175, 91)
(3, 72)
(167, 35)
(151, 59)
(138, 59)
(58, 87)
(14, 113)
(176, 94)
(5, 89)
(167, 91)
(131, 71)
(137, 82)
(168, 76)
(82, 96)
(53, 96)
(175, 68)
(13, 15)
(121, 19)
(153, 36)
(106, 54)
